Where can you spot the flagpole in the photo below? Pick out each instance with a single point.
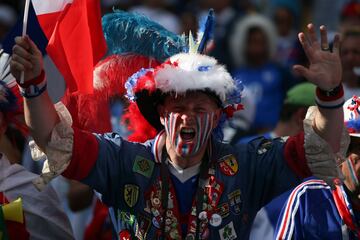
(25, 21)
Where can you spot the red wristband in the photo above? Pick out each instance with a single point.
(332, 95)
(35, 81)
(330, 99)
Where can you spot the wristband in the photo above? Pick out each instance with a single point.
(35, 87)
(330, 99)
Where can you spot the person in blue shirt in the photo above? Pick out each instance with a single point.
(298, 99)
(314, 209)
(186, 183)
(253, 47)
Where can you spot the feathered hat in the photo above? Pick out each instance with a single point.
(352, 116)
(188, 70)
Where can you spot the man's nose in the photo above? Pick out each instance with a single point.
(188, 117)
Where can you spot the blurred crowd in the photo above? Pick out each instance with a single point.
(257, 41)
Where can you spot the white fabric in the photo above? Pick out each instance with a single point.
(238, 38)
(190, 75)
(322, 161)
(44, 219)
(49, 6)
(184, 174)
(58, 150)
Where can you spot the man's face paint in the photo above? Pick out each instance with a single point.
(188, 140)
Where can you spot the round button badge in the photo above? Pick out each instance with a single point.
(215, 220)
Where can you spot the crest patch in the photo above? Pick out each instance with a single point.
(131, 194)
(229, 166)
(235, 201)
(143, 166)
(228, 232)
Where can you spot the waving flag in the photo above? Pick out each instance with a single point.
(75, 38)
(76, 42)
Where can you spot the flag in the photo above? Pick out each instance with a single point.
(34, 31)
(75, 41)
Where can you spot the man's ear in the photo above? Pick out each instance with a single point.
(161, 111)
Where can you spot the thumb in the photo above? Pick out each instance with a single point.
(302, 71)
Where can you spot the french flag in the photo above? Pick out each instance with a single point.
(74, 38)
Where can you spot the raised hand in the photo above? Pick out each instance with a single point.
(26, 57)
(325, 66)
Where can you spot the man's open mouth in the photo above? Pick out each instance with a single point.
(187, 134)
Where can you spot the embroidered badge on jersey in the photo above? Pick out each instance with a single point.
(142, 227)
(228, 232)
(131, 194)
(143, 166)
(223, 210)
(265, 146)
(235, 201)
(229, 165)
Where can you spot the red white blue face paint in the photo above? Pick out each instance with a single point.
(202, 131)
(352, 172)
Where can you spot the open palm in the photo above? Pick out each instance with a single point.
(325, 66)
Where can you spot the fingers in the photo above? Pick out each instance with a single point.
(324, 39)
(312, 33)
(21, 54)
(302, 71)
(26, 64)
(23, 42)
(16, 69)
(336, 45)
(306, 46)
(32, 46)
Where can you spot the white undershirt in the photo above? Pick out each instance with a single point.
(184, 174)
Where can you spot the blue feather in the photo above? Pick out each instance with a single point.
(134, 33)
(235, 96)
(207, 30)
(132, 81)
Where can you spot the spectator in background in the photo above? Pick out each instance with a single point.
(350, 58)
(44, 218)
(293, 112)
(350, 16)
(315, 210)
(156, 11)
(253, 45)
(286, 17)
(225, 15)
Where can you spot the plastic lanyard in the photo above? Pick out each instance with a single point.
(199, 193)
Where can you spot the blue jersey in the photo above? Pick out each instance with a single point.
(129, 176)
(306, 212)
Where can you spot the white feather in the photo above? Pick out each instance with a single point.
(186, 76)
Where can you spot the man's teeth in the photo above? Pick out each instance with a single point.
(187, 130)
